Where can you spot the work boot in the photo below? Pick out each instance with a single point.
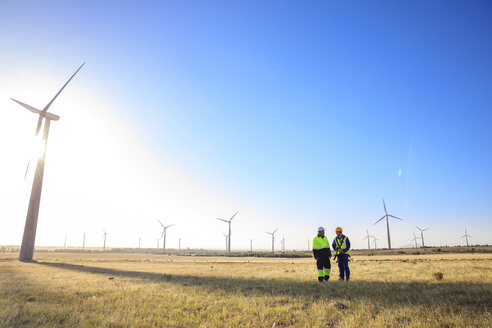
(327, 278)
(347, 279)
(340, 279)
(320, 279)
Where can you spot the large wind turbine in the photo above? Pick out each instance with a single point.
(29, 237)
(164, 235)
(386, 215)
(229, 236)
(422, 234)
(273, 239)
(368, 237)
(466, 235)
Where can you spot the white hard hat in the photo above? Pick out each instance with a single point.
(321, 229)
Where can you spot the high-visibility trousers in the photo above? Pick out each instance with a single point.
(324, 267)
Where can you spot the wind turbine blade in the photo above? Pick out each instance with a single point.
(162, 234)
(169, 225)
(223, 220)
(365, 237)
(32, 109)
(380, 219)
(394, 217)
(52, 100)
(418, 228)
(160, 223)
(426, 229)
(384, 204)
(274, 231)
(27, 169)
(38, 127)
(463, 236)
(233, 216)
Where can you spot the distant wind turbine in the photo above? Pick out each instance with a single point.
(29, 237)
(368, 237)
(226, 242)
(386, 215)
(415, 240)
(83, 242)
(422, 234)
(65, 243)
(251, 245)
(164, 231)
(273, 239)
(229, 236)
(374, 240)
(105, 234)
(466, 235)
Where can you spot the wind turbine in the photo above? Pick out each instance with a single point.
(83, 242)
(164, 235)
(386, 215)
(273, 239)
(466, 235)
(226, 240)
(283, 243)
(374, 240)
(422, 234)
(105, 233)
(251, 245)
(229, 238)
(368, 237)
(415, 240)
(65, 243)
(29, 237)
(139, 240)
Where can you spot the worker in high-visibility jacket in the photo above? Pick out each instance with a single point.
(341, 245)
(322, 254)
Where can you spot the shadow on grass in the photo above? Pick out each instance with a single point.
(452, 294)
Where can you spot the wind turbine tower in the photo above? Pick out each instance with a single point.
(226, 241)
(83, 242)
(65, 243)
(229, 236)
(164, 231)
(29, 237)
(422, 234)
(105, 234)
(387, 216)
(466, 235)
(273, 239)
(251, 245)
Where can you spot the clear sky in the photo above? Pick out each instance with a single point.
(295, 113)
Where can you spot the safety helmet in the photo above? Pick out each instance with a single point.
(321, 229)
(338, 229)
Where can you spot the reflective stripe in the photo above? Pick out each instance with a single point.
(327, 272)
(340, 243)
(320, 273)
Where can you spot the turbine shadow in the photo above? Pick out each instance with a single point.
(454, 294)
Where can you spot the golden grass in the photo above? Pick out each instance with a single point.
(139, 290)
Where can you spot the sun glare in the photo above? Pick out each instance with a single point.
(36, 148)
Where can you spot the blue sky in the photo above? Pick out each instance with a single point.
(302, 112)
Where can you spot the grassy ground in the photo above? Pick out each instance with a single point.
(138, 290)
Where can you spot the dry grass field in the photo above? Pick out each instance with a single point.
(138, 290)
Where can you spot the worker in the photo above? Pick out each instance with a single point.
(322, 254)
(341, 245)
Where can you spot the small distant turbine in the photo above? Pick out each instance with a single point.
(466, 235)
(374, 240)
(83, 242)
(164, 231)
(229, 236)
(251, 245)
(65, 243)
(104, 246)
(386, 215)
(273, 239)
(415, 240)
(226, 242)
(422, 234)
(368, 237)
